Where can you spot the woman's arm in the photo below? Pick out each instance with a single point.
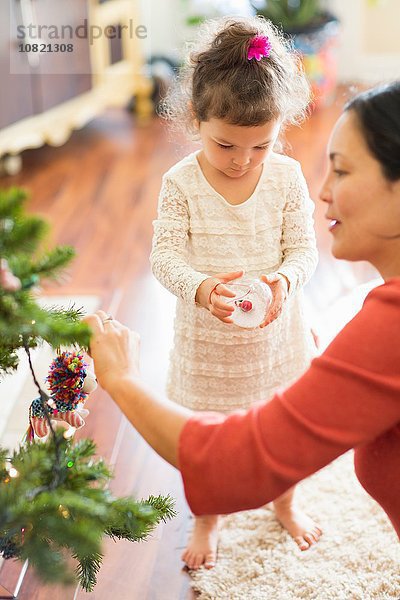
(115, 352)
(349, 396)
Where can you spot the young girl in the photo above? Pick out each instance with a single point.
(236, 207)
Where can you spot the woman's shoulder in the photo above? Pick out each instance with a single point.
(370, 340)
(378, 321)
(388, 293)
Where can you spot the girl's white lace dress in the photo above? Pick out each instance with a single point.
(217, 366)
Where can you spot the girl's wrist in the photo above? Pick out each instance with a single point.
(286, 280)
(205, 290)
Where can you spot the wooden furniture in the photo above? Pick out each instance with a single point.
(49, 94)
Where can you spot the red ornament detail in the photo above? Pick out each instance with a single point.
(246, 305)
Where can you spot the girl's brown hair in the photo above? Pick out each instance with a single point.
(219, 81)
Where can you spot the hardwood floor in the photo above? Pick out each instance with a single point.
(99, 191)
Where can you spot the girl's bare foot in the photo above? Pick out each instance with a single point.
(202, 546)
(303, 529)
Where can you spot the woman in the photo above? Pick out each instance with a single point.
(350, 396)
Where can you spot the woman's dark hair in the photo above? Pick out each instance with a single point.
(378, 114)
(219, 81)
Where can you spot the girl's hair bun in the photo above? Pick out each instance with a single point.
(219, 81)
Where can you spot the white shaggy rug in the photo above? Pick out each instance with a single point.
(358, 557)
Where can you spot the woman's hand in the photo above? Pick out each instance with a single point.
(210, 291)
(280, 288)
(114, 349)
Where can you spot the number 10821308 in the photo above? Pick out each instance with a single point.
(45, 47)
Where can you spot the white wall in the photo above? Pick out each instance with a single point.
(369, 48)
(165, 23)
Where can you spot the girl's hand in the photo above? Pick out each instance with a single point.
(210, 291)
(280, 288)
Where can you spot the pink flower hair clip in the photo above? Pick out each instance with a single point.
(260, 46)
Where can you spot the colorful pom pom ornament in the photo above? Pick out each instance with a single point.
(69, 385)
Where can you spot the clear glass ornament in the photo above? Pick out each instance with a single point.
(252, 302)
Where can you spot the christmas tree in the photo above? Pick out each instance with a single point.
(55, 502)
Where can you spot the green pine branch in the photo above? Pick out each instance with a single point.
(22, 321)
(87, 569)
(44, 525)
(8, 358)
(48, 266)
(19, 232)
(25, 236)
(11, 202)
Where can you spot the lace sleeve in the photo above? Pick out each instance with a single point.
(168, 257)
(298, 243)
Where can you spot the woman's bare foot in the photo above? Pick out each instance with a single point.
(202, 546)
(304, 530)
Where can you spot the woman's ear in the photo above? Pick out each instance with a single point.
(396, 187)
(396, 194)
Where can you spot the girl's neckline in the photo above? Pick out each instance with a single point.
(208, 184)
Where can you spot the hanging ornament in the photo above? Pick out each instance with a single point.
(69, 384)
(8, 281)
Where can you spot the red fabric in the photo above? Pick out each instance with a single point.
(349, 398)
